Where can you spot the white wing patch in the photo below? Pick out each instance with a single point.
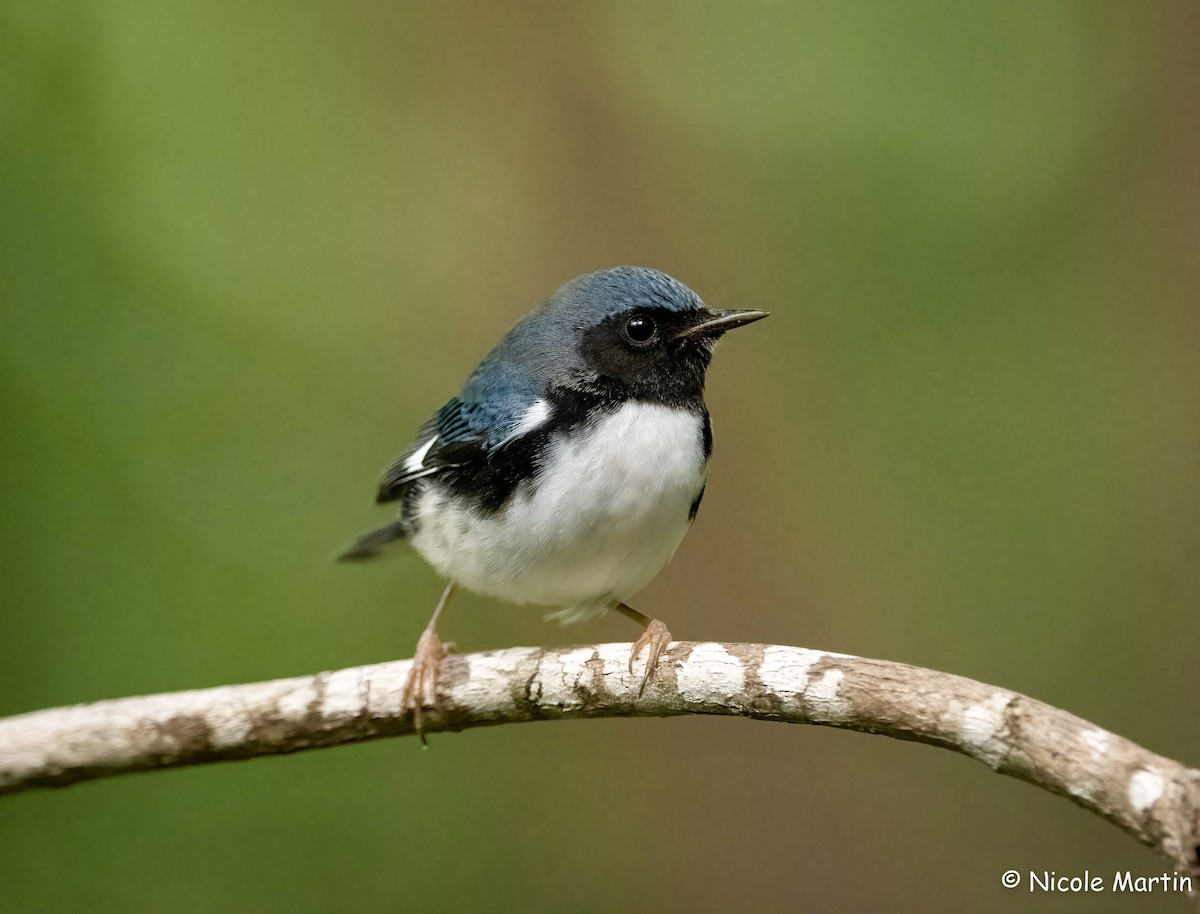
(416, 463)
(536, 414)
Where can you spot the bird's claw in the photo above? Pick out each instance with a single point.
(420, 691)
(655, 638)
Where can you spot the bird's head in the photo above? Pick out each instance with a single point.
(630, 332)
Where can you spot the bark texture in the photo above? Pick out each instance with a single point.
(1155, 799)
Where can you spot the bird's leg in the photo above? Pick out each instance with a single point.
(420, 691)
(655, 637)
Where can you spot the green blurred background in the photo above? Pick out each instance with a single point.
(245, 249)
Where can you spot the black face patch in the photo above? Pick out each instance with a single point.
(637, 355)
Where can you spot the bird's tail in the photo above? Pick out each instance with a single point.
(370, 545)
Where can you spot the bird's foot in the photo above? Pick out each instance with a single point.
(420, 691)
(656, 638)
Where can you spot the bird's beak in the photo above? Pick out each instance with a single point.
(717, 322)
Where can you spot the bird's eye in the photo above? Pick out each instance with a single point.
(640, 329)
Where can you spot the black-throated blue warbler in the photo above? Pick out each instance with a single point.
(569, 468)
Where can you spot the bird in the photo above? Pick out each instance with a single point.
(568, 469)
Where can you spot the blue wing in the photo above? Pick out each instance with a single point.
(454, 436)
(488, 413)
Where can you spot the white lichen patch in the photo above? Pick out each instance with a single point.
(825, 698)
(382, 687)
(1080, 792)
(295, 703)
(228, 727)
(710, 674)
(562, 680)
(981, 728)
(223, 711)
(575, 668)
(1097, 743)
(500, 664)
(488, 686)
(784, 670)
(980, 724)
(1145, 787)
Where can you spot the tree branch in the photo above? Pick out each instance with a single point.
(1155, 799)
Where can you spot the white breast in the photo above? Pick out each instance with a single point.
(608, 511)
